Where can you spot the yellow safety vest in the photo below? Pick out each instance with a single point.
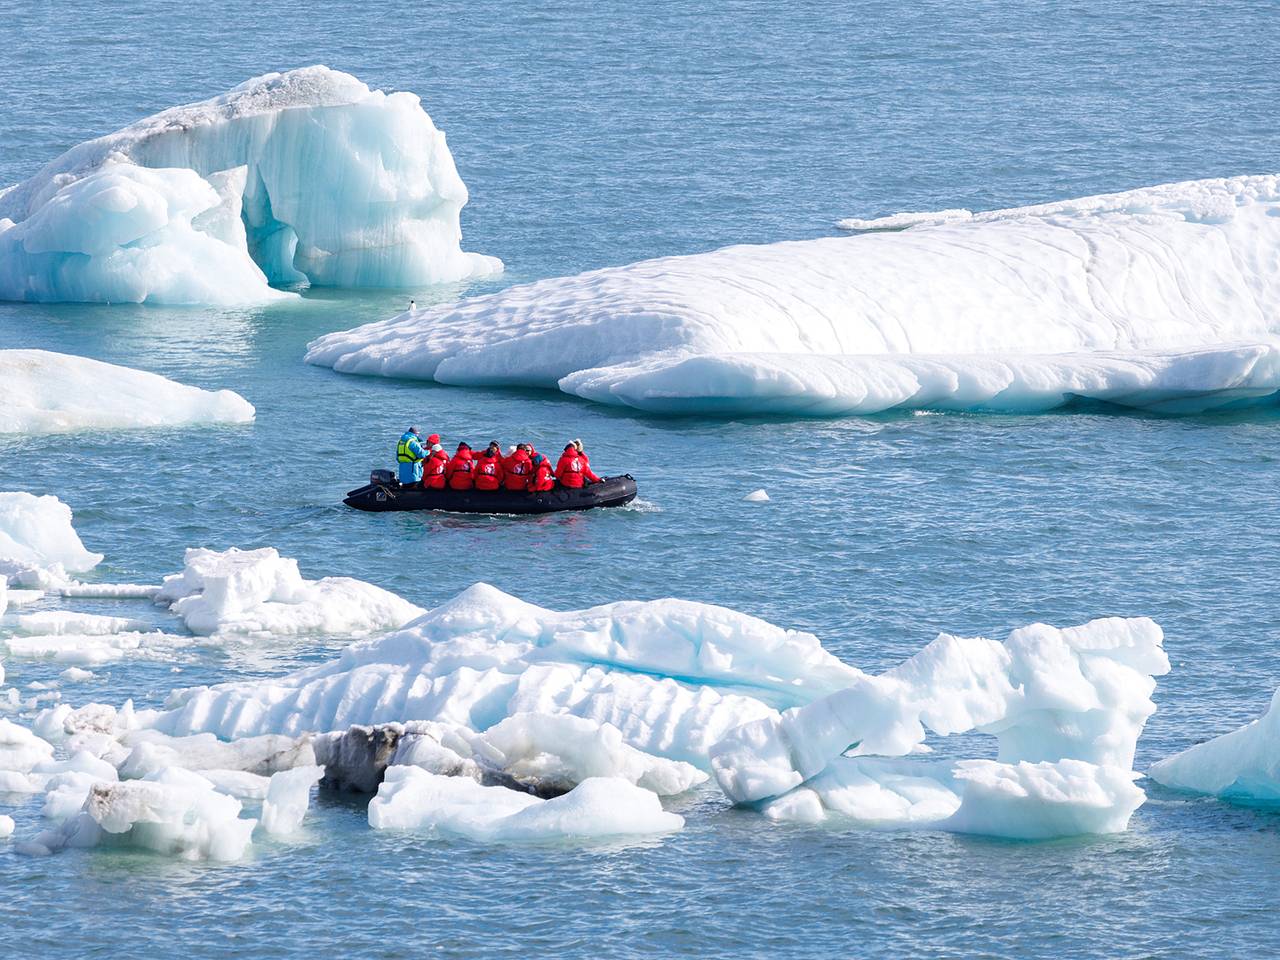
(403, 453)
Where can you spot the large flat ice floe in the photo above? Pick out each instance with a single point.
(43, 392)
(300, 177)
(786, 727)
(1241, 765)
(1165, 298)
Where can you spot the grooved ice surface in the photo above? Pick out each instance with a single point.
(290, 178)
(1165, 298)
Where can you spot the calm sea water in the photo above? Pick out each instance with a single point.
(599, 133)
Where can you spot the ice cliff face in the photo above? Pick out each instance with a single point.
(1166, 297)
(299, 177)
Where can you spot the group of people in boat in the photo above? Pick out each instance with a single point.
(424, 463)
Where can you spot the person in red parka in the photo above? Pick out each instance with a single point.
(517, 469)
(460, 471)
(489, 469)
(542, 479)
(573, 471)
(433, 470)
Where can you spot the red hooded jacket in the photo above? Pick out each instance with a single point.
(573, 470)
(460, 471)
(433, 471)
(543, 479)
(517, 470)
(488, 471)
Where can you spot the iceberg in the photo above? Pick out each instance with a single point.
(672, 676)
(38, 544)
(1066, 707)
(43, 392)
(1164, 298)
(306, 176)
(501, 693)
(230, 592)
(175, 812)
(1241, 765)
(287, 799)
(413, 799)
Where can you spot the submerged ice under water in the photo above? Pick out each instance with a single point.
(879, 532)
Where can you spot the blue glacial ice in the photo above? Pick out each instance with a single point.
(1165, 298)
(1241, 765)
(290, 178)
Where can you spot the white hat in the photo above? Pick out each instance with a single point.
(435, 447)
(511, 449)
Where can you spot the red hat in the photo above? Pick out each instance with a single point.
(434, 438)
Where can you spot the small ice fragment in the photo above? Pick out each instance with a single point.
(76, 675)
(6, 826)
(288, 796)
(757, 496)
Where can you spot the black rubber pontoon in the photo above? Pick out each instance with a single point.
(389, 495)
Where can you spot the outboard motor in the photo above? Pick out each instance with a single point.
(384, 478)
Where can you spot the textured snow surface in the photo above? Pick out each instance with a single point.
(671, 675)
(1165, 298)
(1066, 706)
(43, 392)
(299, 177)
(412, 799)
(260, 592)
(1241, 765)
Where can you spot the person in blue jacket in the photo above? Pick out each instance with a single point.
(409, 455)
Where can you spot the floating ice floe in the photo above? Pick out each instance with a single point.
(757, 496)
(38, 544)
(1164, 298)
(1066, 707)
(175, 812)
(306, 176)
(410, 798)
(785, 726)
(672, 676)
(44, 392)
(260, 592)
(1241, 765)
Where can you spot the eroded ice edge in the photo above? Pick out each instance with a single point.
(1241, 765)
(300, 177)
(497, 720)
(44, 392)
(1165, 298)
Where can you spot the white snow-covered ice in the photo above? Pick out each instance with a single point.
(672, 676)
(549, 700)
(1166, 298)
(1066, 707)
(410, 798)
(43, 392)
(260, 592)
(306, 176)
(1241, 765)
(38, 544)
